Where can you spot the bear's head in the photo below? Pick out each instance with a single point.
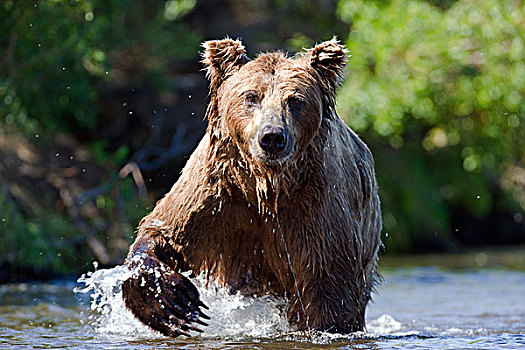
(271, 107)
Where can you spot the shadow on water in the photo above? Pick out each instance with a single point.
(467, 301)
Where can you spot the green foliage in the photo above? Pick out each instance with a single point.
(49, 240)
(53, 55)
(444, 87)
(48, 52)
(35, 243)
(97, 150)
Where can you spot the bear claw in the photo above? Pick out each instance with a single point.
(174, 306)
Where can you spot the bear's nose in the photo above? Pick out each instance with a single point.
(272, 139)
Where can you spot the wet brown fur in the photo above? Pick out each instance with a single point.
(222, 216)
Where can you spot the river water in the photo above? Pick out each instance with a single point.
(473, 301)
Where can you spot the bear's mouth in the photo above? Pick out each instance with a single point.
(274, 159)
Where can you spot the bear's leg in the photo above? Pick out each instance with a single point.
(329, 306)
(157, 294)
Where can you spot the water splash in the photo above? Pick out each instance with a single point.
(110, 313)
(384, 325)
(233, 316)
(237, 316)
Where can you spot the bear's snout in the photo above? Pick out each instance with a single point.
(272, 139)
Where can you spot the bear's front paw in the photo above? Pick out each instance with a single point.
(162, 298)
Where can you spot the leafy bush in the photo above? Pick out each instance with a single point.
(55, 58)
(56, 53)
(439, 94)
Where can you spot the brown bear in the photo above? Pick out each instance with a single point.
(279, 198)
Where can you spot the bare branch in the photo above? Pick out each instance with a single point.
(98, 249)
(134, 169)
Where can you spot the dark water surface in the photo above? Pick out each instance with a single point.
(473, 301)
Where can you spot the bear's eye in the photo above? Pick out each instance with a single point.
(295, 103)
(251, 98)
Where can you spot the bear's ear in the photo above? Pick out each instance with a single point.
(222, 58)
(329, 59)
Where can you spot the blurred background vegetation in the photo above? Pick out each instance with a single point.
(101, 102)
